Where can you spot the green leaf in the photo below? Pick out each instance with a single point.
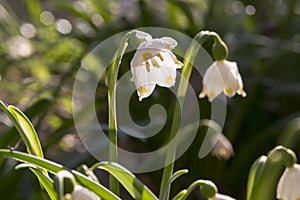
(11, 136)
(53, 167)
(45, 180)
(112, 116)
(255, 173)
(134, 186)
(27, 132)
(268, 173)
(25, 128)
(34, 9)
(101, 8)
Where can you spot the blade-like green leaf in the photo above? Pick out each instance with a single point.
(11, 136)
(53, 167)
(255, 173)
(45, 180)
(101, 8)
(25, 128)
(28, 132)
(34, 9)
(134, 186)
(112, 116)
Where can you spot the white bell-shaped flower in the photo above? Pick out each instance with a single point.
(221, 197)
(82, 193)
(288, 186)
(154, 64)
(224, 76)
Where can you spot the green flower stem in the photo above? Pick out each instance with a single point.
(207, 188)
(266, 172)
(112, 118)
(180, 195)
(201, 37)
(219, 48)
(173, 178)
(64, 183)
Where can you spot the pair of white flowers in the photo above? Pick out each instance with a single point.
(155, 64)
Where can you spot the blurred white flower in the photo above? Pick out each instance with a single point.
(154, 63)
(19, 47)
(82, 193)
(47, 17)
(221, 76)
(288, 186)
(28, 30)
(221, 197)
(63, 26)
(223, 148)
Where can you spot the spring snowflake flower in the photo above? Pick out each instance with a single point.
(154, 64)
(221, 197)
(223, 148)
(82, 193)
(224, 76)
(288, 186)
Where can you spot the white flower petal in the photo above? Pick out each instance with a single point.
(177, 62)
(154, 63)
(82, 193)
(288, 186)
(212, 83)
(141, 76)
(222, 76)
(169, 60)
(143, 53)
(145, 91)
(222, 197)
(169, 42)
(143, 35)
(229, 73)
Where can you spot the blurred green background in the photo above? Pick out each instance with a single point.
(43, 42)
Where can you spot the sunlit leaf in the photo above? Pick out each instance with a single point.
(134, 186)
(53, 167)
(46, 182)
(25, 128)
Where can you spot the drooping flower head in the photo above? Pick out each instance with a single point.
(222, 76)
(288, 186)
(80, 193)
(221, 197)
(154, 64)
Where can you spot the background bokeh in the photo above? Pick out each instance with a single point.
(43, 42)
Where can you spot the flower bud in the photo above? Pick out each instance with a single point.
(284, 155)
(208, 189)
